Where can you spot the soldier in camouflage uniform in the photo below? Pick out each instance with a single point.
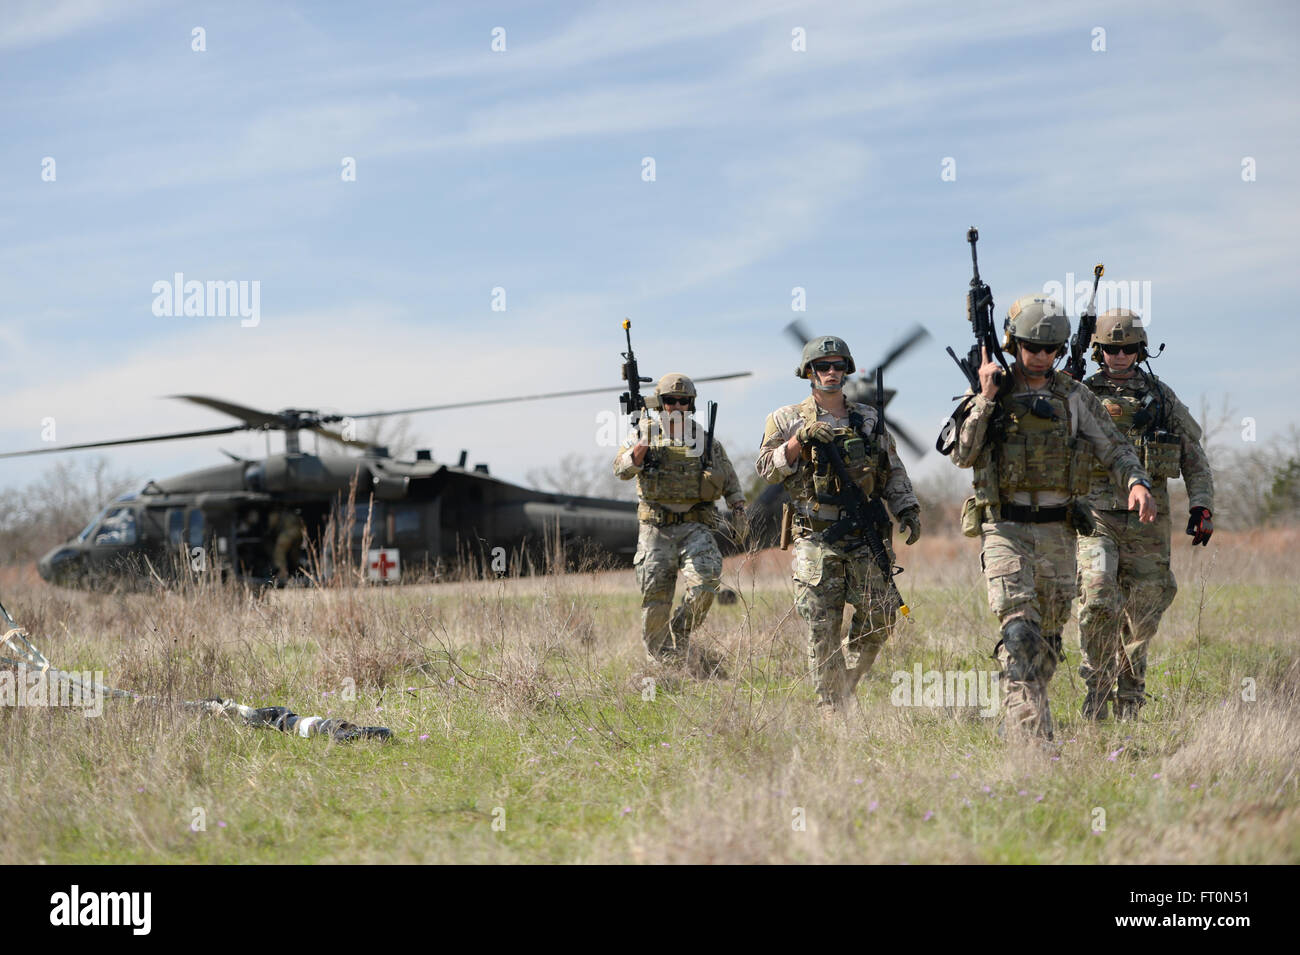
(1031, 445)
(1125, 584)
(826, 576)
(677, 489)
(286, 549)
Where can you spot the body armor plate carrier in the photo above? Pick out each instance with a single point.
(816, 483)
(1034, 449)
(1136, 413)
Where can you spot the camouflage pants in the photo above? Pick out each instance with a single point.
(1030, 573)
(1124, 586)
(661, 552)
(825, 579)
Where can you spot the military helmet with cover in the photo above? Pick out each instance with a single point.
(673, 384)
(821, 348)
(1120, 326)
(1037, 319)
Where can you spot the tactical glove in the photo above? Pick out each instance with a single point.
(910, 521)
(1200, 526)
(818, 431)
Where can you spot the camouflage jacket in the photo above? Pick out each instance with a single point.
(1089, 422)
(694, 441)
(1119, 396)
(785, 422)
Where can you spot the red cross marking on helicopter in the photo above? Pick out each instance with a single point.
(383, 564)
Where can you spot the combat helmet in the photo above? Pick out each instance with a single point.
(820, 348)
(1037, 319)
(675, 384)
(1120, 326)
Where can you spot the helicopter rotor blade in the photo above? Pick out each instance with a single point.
(177, 436)
(902, 435)
(502, 401)
(251, 416)
(799, 332)
(336, 436)
(917, 334)
(253, 419)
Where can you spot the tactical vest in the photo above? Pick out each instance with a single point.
(672, 474)
(1159, 451)
(865, 458)
(1036, 449)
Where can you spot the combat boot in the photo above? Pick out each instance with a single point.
(667, 658)
(1096, 707)
(1127, 709)
(704, 663)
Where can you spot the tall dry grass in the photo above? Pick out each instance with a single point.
(529, 695)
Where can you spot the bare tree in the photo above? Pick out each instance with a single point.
(56, 506)
(394, 433)
(584, 476)
(1245, 472)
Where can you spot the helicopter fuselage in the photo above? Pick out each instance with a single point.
(434, 516)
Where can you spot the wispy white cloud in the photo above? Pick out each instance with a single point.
(29, 23)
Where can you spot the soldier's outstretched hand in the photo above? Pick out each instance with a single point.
(1140, 500)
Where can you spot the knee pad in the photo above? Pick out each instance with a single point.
(1026, 650)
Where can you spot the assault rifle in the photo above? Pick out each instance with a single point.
(861, 515)
(979, 311)
(879, 429)
(631, 401)
(1076, 364)
(707, 461)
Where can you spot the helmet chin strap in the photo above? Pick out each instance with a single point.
(828, 388)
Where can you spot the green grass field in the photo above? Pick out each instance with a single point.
(526, 731)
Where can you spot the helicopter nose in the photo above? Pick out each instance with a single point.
(57, 564)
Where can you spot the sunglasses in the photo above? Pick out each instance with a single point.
(825, 366)
(1116, 349)
(669, 402)
(1034, 348)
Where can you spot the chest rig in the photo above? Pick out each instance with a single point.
(1032, 448)
(1137, 408)
(816, 484)
(673, 472)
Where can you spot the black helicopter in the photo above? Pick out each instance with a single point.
(414, 515)
(765, 512)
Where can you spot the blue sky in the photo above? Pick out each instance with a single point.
(522, 169)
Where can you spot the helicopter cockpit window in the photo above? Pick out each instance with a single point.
(86, 531)
(117, 527)
(196, 528)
